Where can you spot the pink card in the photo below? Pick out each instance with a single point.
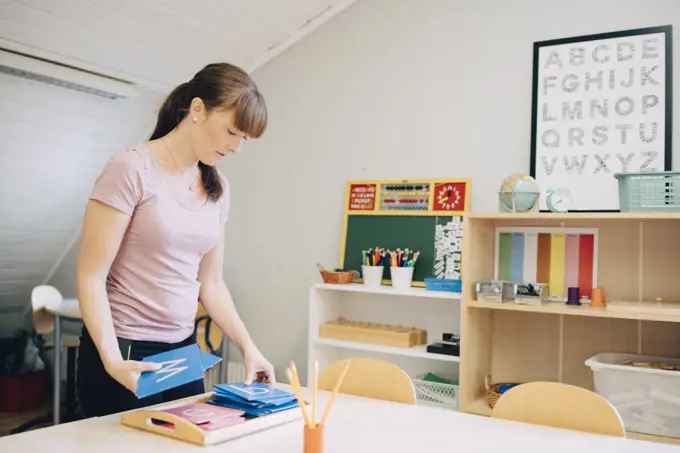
(203, 413)
(222, 423)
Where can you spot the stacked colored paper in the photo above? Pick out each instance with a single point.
(255, 400)
(206, 416)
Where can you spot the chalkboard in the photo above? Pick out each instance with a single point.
(440, 248)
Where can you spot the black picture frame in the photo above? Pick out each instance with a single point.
(599, 186)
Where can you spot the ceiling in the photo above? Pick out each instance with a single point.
(55, 141)
(160, 43)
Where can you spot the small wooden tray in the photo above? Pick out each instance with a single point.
(187, 431)
(385, 335)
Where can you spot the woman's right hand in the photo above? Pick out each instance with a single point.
(127, 372)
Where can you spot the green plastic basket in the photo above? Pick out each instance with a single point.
(649, 191)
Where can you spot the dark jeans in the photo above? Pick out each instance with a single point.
(99, 394)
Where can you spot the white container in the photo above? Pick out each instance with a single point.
(648, 399)
(402, 277)
(372, 275)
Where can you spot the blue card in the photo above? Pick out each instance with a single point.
(178, 367)
(208, 360)
(255, 400)
(257, 391)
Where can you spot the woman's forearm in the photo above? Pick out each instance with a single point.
(96, 314)
(103, 231)
(219, 304)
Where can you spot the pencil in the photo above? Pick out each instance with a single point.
(316, 387)
(338, 384)
(292, 378)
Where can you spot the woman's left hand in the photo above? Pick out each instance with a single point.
(257, 367)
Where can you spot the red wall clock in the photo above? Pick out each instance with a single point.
(449, 196)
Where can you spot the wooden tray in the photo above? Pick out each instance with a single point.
(385, 335)
(186, 431)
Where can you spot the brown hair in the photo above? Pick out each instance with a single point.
(218, 85)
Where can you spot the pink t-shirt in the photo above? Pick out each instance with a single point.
(152, 285)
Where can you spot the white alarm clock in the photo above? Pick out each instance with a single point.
(559, 199)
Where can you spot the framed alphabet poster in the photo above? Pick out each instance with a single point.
(602, 104)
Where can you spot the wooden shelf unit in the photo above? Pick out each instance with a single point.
(639, 259)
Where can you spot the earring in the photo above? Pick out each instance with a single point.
(194, 120)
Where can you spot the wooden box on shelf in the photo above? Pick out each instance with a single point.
(638, 255)
(386, 335)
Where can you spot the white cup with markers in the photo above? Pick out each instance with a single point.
(402, 266)
(373, 266)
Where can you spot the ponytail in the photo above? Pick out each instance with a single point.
(171, 113)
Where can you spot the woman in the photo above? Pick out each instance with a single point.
(152, 243)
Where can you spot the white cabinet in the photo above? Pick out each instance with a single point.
(436, 312)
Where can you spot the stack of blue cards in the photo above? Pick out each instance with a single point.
(255, 400)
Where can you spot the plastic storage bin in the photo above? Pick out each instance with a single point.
(648, 399)
(435, 393)
(649, 191)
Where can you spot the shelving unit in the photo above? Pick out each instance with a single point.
(434, 311)
(639, 258)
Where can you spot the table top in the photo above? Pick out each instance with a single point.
(67, 308)
(355, 424)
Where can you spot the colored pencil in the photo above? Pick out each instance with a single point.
(316, 387)
(294, 382)
(336, 389)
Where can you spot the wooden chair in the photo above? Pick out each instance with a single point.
(560, 406)
(371, 378)
(209, 339)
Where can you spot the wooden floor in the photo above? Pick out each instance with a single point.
(9, 421)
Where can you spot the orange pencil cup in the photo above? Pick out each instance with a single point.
(313, 441)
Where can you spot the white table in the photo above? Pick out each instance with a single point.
(67, 308)
(355, 425)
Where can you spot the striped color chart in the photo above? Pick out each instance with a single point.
(559, 259)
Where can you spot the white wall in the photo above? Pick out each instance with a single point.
(53, 144)
(389, 89)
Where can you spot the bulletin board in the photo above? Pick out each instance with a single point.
(424, 215)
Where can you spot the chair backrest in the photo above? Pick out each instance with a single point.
(41, 297)
(208, 334)
(371, 378)
(560, 406)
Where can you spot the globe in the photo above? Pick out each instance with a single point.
(519, 193)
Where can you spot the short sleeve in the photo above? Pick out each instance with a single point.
(224, 200)
(121, 183)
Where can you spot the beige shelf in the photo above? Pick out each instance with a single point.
(638, 258)
(575, 216)
(560, 308)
